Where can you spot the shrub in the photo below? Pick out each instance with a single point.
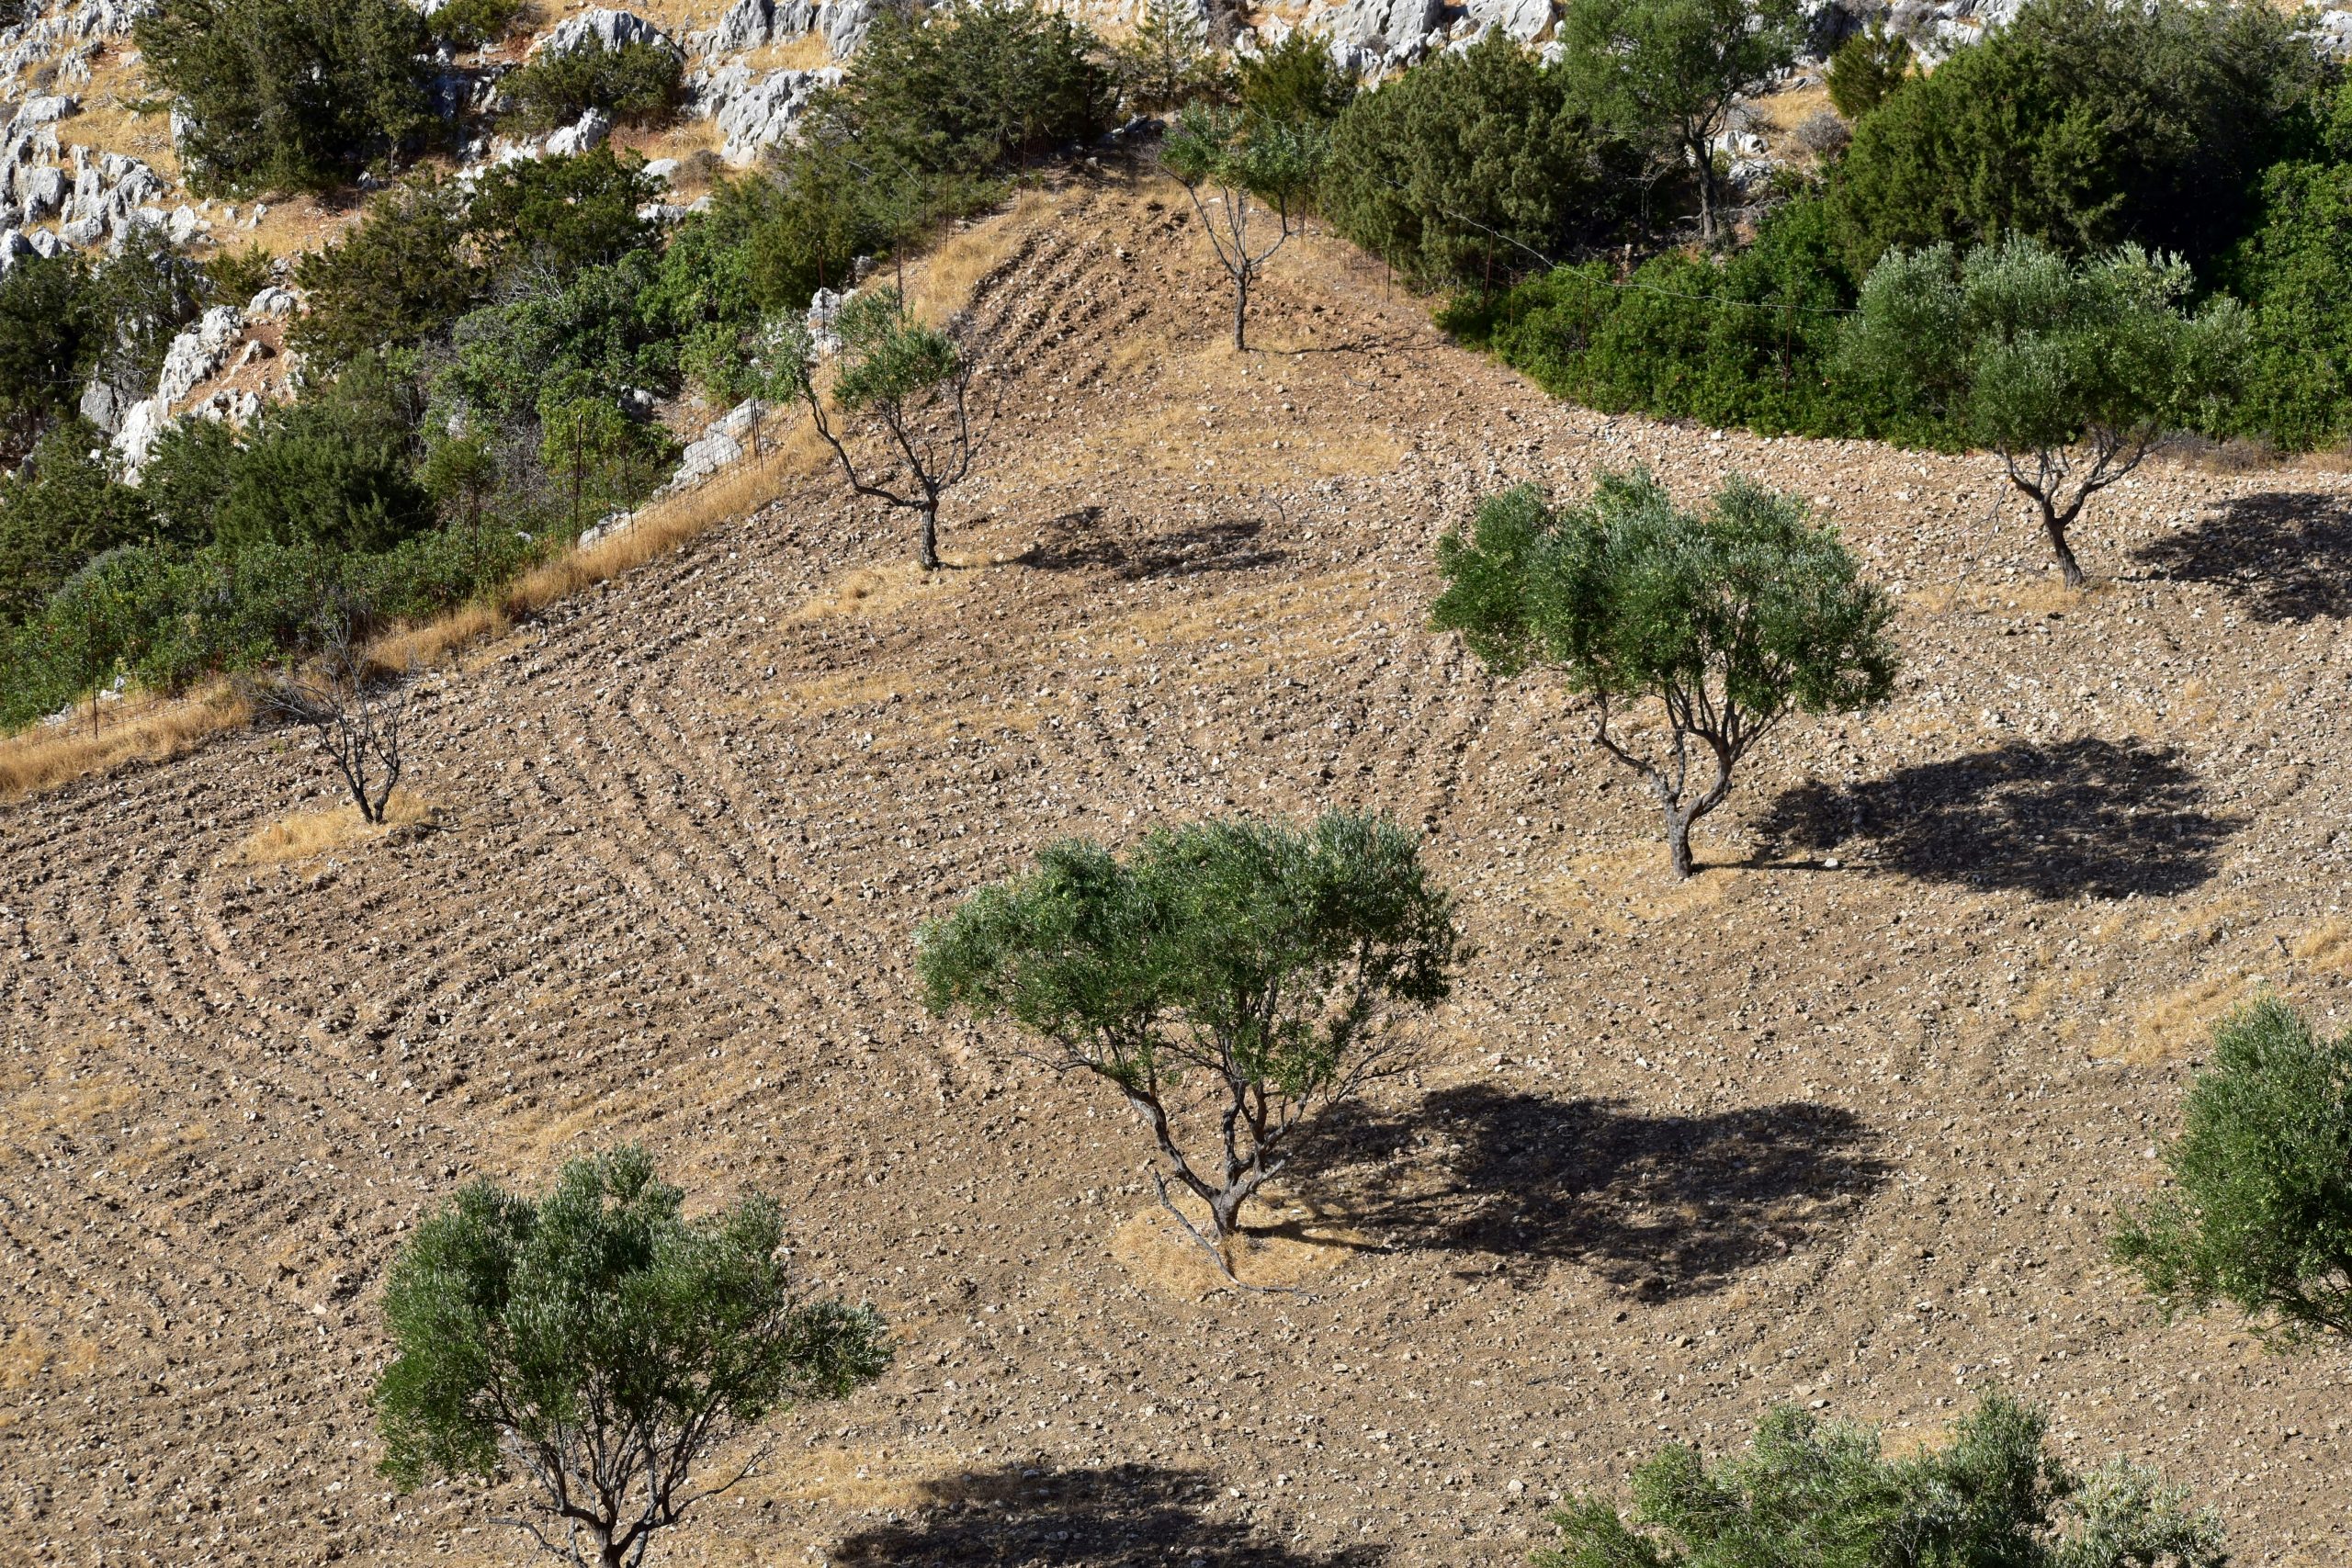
(2069, 371)
(473, 24)
(975, 86)
(2295, 271)
(2259, 1213)
(1812, 1493)
(403, 274)
(1665, 73)
(143, 293)
(600, 1346)
(1295, 82)
(1866, 68)
(2083, 125)
(61, 510)
(233, 277)
(1470, 161)
(290, 94)
(47, 324)
(1733, 620)
(552, 217)
(1168, 59)
(1265, 961)
(638, 83)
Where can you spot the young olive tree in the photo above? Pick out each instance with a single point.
(2260, 1211)
(2069, 370)
(355, 714)
(1732, 619)
(901, 389)
(1267, 965)
(1813, 1494)
(1220, 151)
(601, 1345)
(1667, 72)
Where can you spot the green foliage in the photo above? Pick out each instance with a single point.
(60, 510)
(1810, 1494)
(1866, 68)
(638, 83)
(2035, 356)
(1262, 960)
(398, 279)
(975, 86)
(1747, 340)
(233, 277)
(1294, 82)
(2259, 1213)
(1732, 619)
(1168, 59)
(601, 1344)
(48, 325)
(2084, 125)
(298, 95)
(2296, 271)
(140, 296)
(1663, 73)
(552, 217)
(474, 24)
(1472, 164)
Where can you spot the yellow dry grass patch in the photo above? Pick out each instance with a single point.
(2180, 1021)
(107, 122)
(27, 1357)
(137, 729)
(43, 1097)
(943, 281)
(306, 835)
(1301, 1244)
(1632, 885)
(2327, 947)
(878, 591)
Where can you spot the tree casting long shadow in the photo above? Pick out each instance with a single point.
(2287, 555)
(2083, 815)
(1662, 1205)
(1120, 1516)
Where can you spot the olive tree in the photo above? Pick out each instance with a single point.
(1267, 965)
(2070, 370)
(1811, 1493)
(1667, 72)
(900, 388)
(2259, 1213)
(1732, 619)
(1220, 151)
(601, 1345)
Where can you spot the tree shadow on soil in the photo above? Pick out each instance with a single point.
(1083, 541)
(1661, 1205)
(2082, 816)
(1125, 1516)
(2285, 556)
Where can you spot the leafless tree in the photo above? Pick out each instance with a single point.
(357, 717)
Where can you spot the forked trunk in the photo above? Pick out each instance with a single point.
(2056, 527)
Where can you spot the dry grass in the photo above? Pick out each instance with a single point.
(2177, 1023)
(306, 835)
(437, 642)
(1302, 1243)
(945, 279)
(2328, 946)
(142, 729)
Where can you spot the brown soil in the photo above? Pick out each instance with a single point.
(1843, 1121)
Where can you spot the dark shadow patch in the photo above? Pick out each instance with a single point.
(1661, 1205)
(2286, 555)
(1083, 541)
(2082, 816)
(1124, 1515)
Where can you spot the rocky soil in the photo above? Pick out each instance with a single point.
(1841, 1122)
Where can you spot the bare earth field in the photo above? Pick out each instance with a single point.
(1844, 1120)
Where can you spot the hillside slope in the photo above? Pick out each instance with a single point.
(1843, 1121)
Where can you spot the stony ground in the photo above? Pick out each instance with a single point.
(1841, 1122)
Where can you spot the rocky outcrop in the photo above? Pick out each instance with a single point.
(613, 29)
(196, 355)
(751, 24)
(756, 112)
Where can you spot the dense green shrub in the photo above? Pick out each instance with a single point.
(2083, 125)
(2296, 272)
(233, 277)
(290, 94)
(551, 217)
(2259, 1213)
(1747, 340)
(62, 509)
(1168, 59)
(638, 83)
(1813, 1494)
(471, 24)
(47, 324)
(1294, 82)
(975, 86)
(139, 298)
(1866, 68)
(400, 276)
(1473, 166)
